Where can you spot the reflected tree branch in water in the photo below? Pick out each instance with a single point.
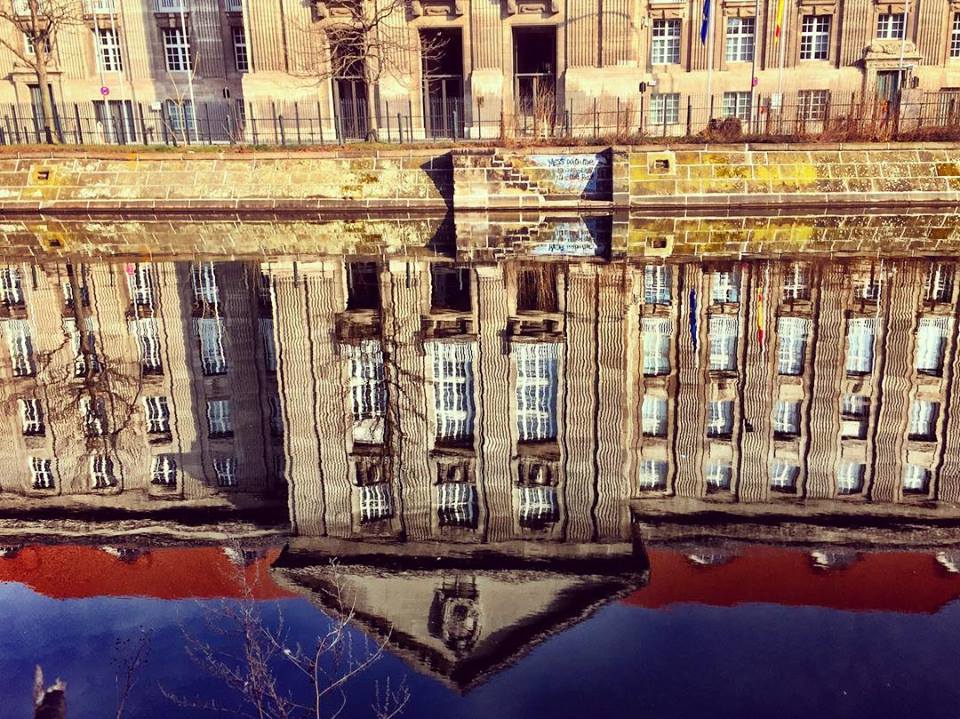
(131, 655)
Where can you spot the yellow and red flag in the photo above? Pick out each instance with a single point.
(778, 29)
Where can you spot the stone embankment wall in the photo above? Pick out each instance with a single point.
(480, 178)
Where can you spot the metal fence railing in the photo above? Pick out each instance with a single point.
(804, 116)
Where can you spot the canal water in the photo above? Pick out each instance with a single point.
(480, 467)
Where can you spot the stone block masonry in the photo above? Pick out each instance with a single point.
(432, 181)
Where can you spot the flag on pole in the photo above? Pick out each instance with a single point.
(694, 334)
(778, 30)
(760, 317)
(705, 22)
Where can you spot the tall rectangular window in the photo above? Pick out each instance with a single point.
(890, 26)
(854, 416)
(720, 419)
(923, 420)
(737, 104)
(931, 343)
(538, 507)
(225, 468)
(241, 60)
(20, 343)
(31, 416)
(376, 503)
(792, 334)
(203, 276)
(940, 279)
(657, 332)
(93, 413)
(664, 108)
(219, 420)
(269, 345)
(163, 471)
(147, 334)
(108, 50)
(536, 391)
(654, 416)
(653, 474)
(861, 332)
(457, 504)
(740, 38)
(796, 282)
(656, 285)
(102, 473)
(718, 475)
(955, 36)
(786, 419)
(665, 42)
(783, 476)
(815, 37)
(158, 414)
(916, 479)
(212, 355)
(723, 343)
(725, 287)
(176, 50)
(42, 473)
(813, 104)
(453, 390)
(850, 477)
(84, 344)
(368, 391)
(11, 286)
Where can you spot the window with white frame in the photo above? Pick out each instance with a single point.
(213, 358)
(538, 507)
(664, 108)
(725, 287)
(218, 418)
(654, 416)
(890, 26)
(741, 32)
(657, 332)
(453, 390)
(850, 477)
(931, 343)
(940, 279)
(84, 345)
(656, 285)
(368, 388)
(203, 276)
(269, 344)
(241, 60)
(854, 416)
(457, 504)
(31, 417)
(720, 418)
(718, 475)
(665, 42)
(176, 49)
(861, 332)
(796, 282)
(737, 104)
(792, 338)
(41, 471)
(108, 50)
(147, 334)
(923, 420)
(180, 115)
(225, 468)
(163, 471)
(653, 474)
(140, 284)
(276, 417)
(723, 343)
(157, 411)
(786, 418)
(102, 474)
(868, 287)
(536, 391)
(93, 414)
(916, 479)
(376, 503)
(11, 286)
(955, 36)
(783, 476)
(20, 344)
(813, 104)
(815, 37)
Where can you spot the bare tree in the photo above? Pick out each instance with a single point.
(36, 25)
(274, 676)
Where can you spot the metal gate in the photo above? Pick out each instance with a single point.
(443, 106)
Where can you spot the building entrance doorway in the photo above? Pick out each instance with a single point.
(442, 52)
(535, 79)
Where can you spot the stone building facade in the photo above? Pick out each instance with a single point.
(142, 380)
(236, 66)
(533, 398)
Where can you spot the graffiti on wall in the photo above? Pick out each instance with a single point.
(578, 238)
(575, 174)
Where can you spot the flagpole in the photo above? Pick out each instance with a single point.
(711, 13)
(783, 52)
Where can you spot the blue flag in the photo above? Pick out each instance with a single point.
(705, 22)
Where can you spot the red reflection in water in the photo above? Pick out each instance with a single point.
(70, 572)
(911, 582)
